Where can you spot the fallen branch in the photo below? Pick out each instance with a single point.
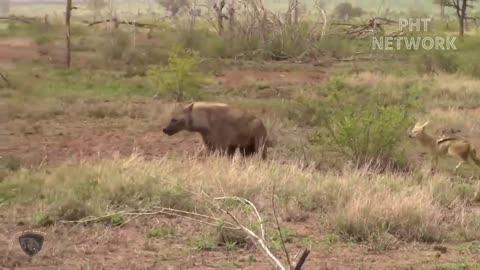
(116, 21)
(159, 211)
(15, 18)
(249, 203)
(279, 229)
(258, 241)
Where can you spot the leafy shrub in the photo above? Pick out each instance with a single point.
(363, 128)
(432, 62)
(181, 77)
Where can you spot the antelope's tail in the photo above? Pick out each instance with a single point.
(474, 157)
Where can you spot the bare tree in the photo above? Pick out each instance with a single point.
(231, 16)
(441, 4)
(293, 11)
(96, 6)
(68, 13)
(461, 8)
(218, 7)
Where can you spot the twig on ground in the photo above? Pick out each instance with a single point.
(249, 203)
(159, 211)
(278, 226)
(302, 259)
(4, 78)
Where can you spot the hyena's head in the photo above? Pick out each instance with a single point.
(179, 121)
(418, 130)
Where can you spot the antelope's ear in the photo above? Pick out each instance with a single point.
(426, 124)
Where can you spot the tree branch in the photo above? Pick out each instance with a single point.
(144, 25)
(5, 79)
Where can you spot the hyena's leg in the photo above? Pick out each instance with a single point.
(231, 150)
(209, 146)
(260, 145)
(248, 150)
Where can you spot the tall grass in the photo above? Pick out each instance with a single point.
(356, 204)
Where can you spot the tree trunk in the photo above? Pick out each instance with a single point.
(463, 16)
(461, 24)
(220, 23)
(219, 11)
(67, 35)
(442, 11)
(231, 18)
(295, 12)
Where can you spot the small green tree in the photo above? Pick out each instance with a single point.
(180, 77)
(363, 128)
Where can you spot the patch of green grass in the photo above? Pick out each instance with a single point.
(162, 232)
(330, 240)
(205, 243)
(116, 220)
(231, 239)
(75, 82)
(276, 238)
(470, 248)
(458, 265)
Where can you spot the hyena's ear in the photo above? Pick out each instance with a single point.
(189, 107)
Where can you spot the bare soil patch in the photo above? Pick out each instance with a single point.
(86, 133)
(16, 50)
(24, 50)
(239, 77)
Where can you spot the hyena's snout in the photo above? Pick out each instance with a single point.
(169, 131)
(174, 127)
(166, 131)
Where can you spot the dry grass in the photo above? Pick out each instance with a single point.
(359, 205)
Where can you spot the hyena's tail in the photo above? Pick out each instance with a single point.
(474, 157)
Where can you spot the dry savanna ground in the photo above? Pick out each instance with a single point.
(83, 160)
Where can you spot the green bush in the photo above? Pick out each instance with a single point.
(436, 61)
(363, 128)
(181, 77)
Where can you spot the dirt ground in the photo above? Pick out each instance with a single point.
(128, 247)
(50, 140)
